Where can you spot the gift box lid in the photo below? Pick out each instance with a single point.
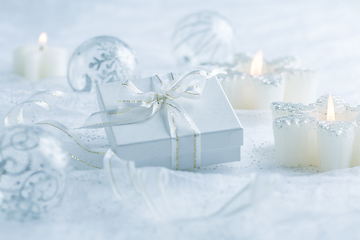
(212, 114)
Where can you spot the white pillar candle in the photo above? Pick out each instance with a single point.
(343, 111)
(300, 85)
(40, 61)
(356, 148)
(229, 85)
(335, 141)
(259, 91)
(322, 133)
(295, 140)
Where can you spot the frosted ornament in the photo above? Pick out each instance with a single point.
(203, 37)
(32, 173)
(100, 60)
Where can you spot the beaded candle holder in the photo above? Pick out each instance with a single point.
(254, 83)
(325, 134)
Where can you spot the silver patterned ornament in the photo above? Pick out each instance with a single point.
(204, 37)
(32, 173)
(100, 60)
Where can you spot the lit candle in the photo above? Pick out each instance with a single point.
(40, 61)
(251, 88)
(254, 83)
(336, 141)
(321, 134)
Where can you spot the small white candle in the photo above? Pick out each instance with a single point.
(356, 148)
(336, 140)
(253, 86)
(35, 62)
(258, 91)
(301, 85)
(295, 140)
(254, 83)
(320, 134)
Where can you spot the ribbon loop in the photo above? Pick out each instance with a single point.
(44, 99)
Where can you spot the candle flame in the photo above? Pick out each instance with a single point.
(257, 64)
(43, 38)
(330, 109)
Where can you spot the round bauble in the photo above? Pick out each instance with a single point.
(32, 173)
(203, 37)
(100, 60)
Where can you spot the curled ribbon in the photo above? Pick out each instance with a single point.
(139, 178)
(142, 106)
(46, 100)
(137, 106)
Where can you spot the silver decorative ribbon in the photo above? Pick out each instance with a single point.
(138, 178)
(44, 99)
(137, 106)
(92, 157)
(147, 181)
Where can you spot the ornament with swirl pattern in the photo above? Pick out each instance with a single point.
(203, 37)
(32, 173)
(101, 59)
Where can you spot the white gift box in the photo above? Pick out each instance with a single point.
(149, 142)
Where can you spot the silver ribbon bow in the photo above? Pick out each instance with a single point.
(137, 106)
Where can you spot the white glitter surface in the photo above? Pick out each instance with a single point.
(301, 204)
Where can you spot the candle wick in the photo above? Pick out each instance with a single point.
(41, 47)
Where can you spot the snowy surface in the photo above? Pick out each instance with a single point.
(299, 203)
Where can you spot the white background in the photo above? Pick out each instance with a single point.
(309, 205)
